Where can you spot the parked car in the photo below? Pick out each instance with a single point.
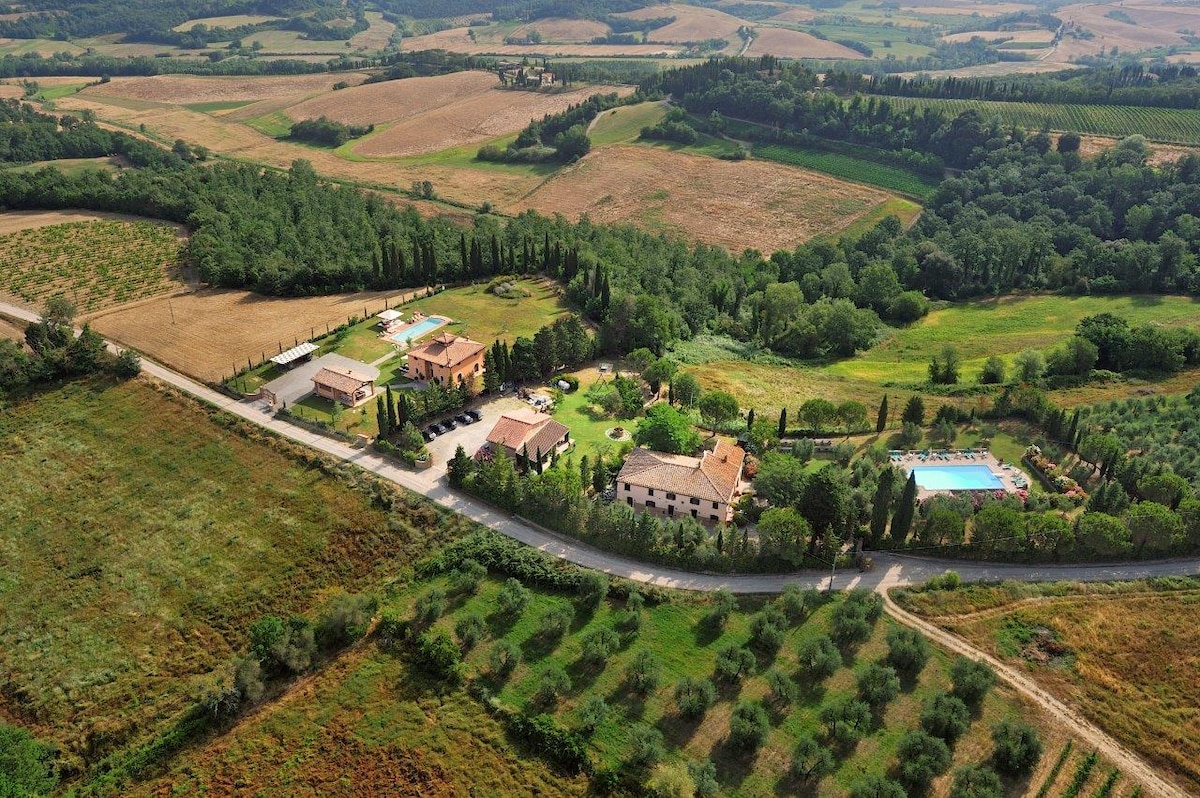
(464, 418)
(475, 414)
(449, 424)
(427, 435)
(436, 428)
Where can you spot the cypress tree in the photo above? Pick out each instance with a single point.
(882, 506)
(750, 419)
(381, 417)
(881, 421)
(782, 423)
(902, 520)
(538, 465)
(403, 410)
(585, 471)
(393, 422)
(462, 253)
(600, 475)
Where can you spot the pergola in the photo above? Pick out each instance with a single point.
(296, 353)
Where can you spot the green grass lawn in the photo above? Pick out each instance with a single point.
(485, 317)
(623, 124)
(217, 105)
(1005, 327)
(892, 178)
(68, 166)
(588, 424)
(141, 536)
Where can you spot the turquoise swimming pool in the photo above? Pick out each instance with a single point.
(956, 477)
(416, 330)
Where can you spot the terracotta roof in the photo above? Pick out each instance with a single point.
(713, 476)
(341, 379)
(446, 350)
(519, 429)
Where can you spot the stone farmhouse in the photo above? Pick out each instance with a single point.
(675, 486)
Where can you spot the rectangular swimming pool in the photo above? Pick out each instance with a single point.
(416, 330)
(956, 477)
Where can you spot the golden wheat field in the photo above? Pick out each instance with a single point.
(692, 23)
(742, 204)
(458, 40)
(376, 103)
(189, 89)
(787, 43)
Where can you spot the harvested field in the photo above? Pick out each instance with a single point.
(733, 204)
(1109, 33)
(11, 330)
(206, 333)
(231, 21)
(692, 23)
(188, 89)
(1002, 36)
(375, 37)
(377, 103)
(473, 120)
(1091, 146)
(458, 40)
(553, 31)
(967, 9)
(794, 15)
(286, 42)
(787, 43)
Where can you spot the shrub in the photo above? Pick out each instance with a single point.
(344, 620)
(128, 364)
(811, 760)
(470, 630)
(1017, 747)
(922, 759)
(846, 720)
(748, 726)
(694, 697)
(878, 684)
(972, 680)
(592, 713)
(438, 656)
(647, 746)
(551, 740)
(513, 598)
(430, 606)
(976, 781)
(818, 658)
(553, 683)
(504, 659)
(734, 662)
(908, 650)
(468, 576)
(946, 716)
(877, 787)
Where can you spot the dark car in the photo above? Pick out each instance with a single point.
(463, 418)
(435, 429)
(476, 415)
(449, 424)
(427, 435)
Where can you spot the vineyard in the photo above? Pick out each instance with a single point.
(95, 264)
(1169, 125)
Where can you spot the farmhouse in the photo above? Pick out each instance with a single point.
(447, 360)
(675, 485)
(530, 432)
(343, 385)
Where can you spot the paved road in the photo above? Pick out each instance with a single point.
(890, 570)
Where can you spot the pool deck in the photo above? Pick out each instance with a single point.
(1012, 479)
(408, 342)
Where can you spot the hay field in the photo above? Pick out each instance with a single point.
(794, 14)
(377, 36)
(733, 204)
(692, 23)
(787, 43)
(377, 103)
(471, 120)
(189, 89)
(958, 7)
(204, 334)
(1040, 35)
(457, 40)
(230, 21)
(1155, 29)
(555, 30)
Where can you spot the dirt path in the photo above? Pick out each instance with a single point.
(1130, 763)
(890, 570)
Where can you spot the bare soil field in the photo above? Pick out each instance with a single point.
(471, 120)
(206, 333)
(692, 23)
(457, 40)
(188, 89)
(734, 204)
(787, 43)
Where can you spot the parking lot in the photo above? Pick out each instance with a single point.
(471, 436)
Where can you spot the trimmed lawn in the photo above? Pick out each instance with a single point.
(625, 123)
(485, 317)
(587, 427)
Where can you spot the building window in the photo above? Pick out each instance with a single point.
(714, 505)
(626, 486)
(476, 368)
(650, 503)
(693, 513)
(629, 500)
(650, 491)
(694, 501)
(670, 495)
(670, 509)
(712, 518)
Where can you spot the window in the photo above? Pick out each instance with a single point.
(670, 495)
(712, 518)
(670, 509)
(629, 500)
(651, 491)
(626, 486)
(476, 368)
(694, 501)
(693, 513)
(650, 503)
(714, 505)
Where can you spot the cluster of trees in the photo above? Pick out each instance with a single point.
(327, 131)
(560, 137)
(32, 65)
(27, 136)
(55, 352)
(673, 127)
(564, 344)
(1156, 85)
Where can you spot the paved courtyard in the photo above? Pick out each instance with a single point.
(471, 436)
(297, 383)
